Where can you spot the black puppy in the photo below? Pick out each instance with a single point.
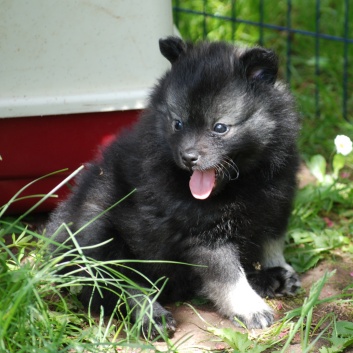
(213, 160)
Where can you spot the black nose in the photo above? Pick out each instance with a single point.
(190, 157)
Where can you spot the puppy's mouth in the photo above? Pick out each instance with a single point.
(202, 182)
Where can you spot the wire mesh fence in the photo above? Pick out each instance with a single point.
(314, 40)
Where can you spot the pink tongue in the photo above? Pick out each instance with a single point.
(202, 183)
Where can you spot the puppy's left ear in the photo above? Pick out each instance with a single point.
(260, 65)
(171, 48)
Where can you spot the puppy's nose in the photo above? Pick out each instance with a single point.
(190, 157)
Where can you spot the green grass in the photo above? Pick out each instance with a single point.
(39, 310)
(38, 316)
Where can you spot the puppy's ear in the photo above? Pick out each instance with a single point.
(260, 65)
(171, 48)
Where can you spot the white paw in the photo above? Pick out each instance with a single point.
(250, 308)
(241, 302)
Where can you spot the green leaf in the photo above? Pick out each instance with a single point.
(305, 262)
(237, 340)
(199, 301)
(342, 337)
(329, 239)
(304, 258)
(317, 166)
(344, 329)
(337, 164)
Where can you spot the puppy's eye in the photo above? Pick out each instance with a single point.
(178, 125)
(220, 128)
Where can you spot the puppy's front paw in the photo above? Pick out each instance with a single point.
(260, 319)
(275, 281)
(242, 303)
(254, 313)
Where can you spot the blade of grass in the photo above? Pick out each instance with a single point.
(13, 198)
(307, 306)
(50, 193)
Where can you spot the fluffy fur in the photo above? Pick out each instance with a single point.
(220, 117)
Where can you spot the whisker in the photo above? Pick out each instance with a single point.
(228, 164)
(225, 168)
(225, 171)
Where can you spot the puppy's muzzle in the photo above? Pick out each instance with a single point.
(190, 158)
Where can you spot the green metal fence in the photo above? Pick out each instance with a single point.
(313, 38)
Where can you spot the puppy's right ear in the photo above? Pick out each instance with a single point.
(171, 48)
(260, 65)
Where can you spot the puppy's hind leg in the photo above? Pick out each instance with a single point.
(132, 305)
(275, 277)
(154, 318)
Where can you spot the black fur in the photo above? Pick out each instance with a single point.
(219, 108)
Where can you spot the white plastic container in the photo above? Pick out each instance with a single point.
(70, 56)
(73, 73)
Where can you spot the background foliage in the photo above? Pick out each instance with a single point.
(314, 42)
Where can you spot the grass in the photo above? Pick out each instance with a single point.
(39, 310)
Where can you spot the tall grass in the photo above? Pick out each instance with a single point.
(39, 310)
(38, 316)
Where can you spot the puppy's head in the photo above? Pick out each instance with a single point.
(218, 110)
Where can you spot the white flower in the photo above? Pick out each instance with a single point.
(343, 144)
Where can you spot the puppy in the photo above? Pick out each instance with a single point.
(213, 160)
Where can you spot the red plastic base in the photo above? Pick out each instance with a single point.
(35, 146)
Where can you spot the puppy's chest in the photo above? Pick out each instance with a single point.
(204, 222)
(167, 236)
